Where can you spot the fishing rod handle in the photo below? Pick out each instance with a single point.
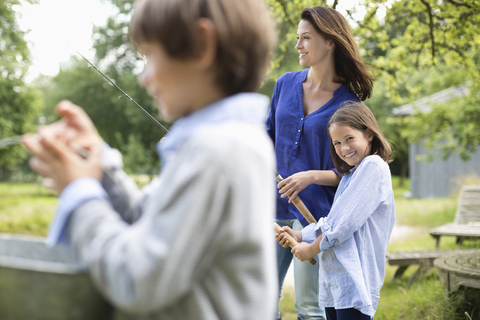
(292, 242)
(298, 203)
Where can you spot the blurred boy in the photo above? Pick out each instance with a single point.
(197, 242)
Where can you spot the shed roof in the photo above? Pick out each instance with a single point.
(424, 104)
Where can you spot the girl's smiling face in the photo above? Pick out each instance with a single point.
(351, 145)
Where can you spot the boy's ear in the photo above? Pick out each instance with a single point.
(208, 36)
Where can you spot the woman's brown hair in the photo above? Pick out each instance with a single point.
(358, 116)
(245, 36)
(349, 65)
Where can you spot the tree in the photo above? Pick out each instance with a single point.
(405, 41)
(18, 103)
(430, 38)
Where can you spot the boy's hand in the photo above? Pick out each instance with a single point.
(76, 126)
(55, 160)
(56, 146)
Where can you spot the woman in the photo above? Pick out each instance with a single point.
(302, 103)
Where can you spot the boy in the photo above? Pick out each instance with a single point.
(183, 247)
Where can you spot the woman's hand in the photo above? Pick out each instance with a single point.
(291, 186)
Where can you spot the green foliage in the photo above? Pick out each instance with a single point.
(137, 158)
(419, 34)
(19, 104)
(421, 47)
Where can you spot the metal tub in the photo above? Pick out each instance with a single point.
(40, 283)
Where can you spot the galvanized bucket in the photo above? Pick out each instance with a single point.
(45, 284)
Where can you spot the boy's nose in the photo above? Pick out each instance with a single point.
(142, 78)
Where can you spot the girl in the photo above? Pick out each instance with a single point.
(184, 246)
(302, 103)
(351, 242)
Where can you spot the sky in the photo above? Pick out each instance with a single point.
(53, 24)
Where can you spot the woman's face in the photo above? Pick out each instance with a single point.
(313, 49)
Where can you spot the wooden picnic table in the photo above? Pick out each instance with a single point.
(461, 231)
(423, 258)
(459, 269)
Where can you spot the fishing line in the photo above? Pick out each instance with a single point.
(123, 92)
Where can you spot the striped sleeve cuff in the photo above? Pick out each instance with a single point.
(74, 195)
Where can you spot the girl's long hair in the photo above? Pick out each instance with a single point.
(358, 116)
(349, 65)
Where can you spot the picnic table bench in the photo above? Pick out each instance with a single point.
(423, 258)
(467, 218)
(459, 269)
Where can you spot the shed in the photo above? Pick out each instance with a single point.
(437, 178)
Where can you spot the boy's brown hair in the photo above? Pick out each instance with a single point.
(245, 36)
(358, 116)
(349, 66)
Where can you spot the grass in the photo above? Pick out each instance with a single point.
(425, 299)
(27, 208)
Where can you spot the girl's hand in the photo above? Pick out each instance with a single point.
(291, 186)
(303, 251)
(282, 239)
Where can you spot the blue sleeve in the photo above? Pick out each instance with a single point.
(355, 205)
(270, 122)
(75, 193)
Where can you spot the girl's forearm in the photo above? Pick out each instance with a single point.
(316, 245)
